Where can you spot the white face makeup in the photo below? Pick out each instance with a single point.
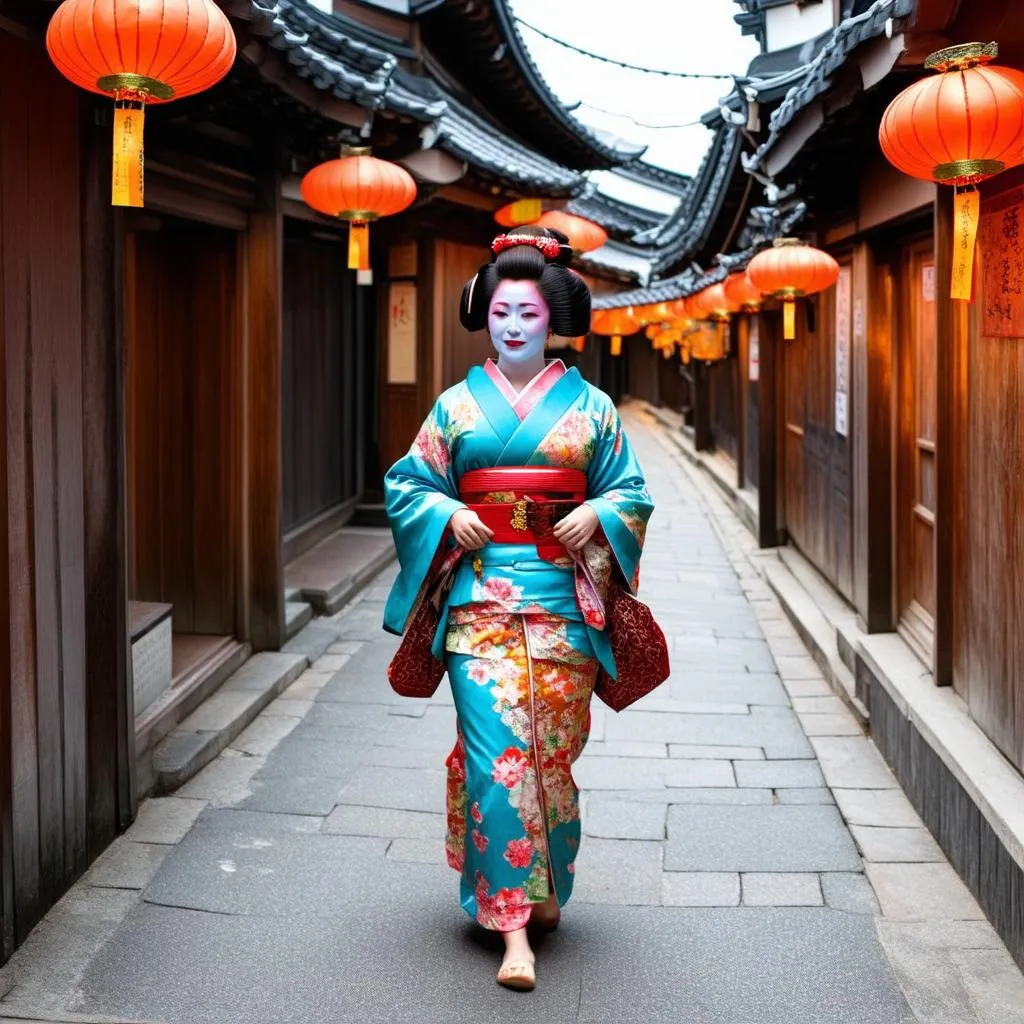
(518, 320)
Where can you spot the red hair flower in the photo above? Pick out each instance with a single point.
(548, 246)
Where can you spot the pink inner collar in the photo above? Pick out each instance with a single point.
(523, 402)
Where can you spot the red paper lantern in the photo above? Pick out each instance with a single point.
(138, 53)
(615, 322)
(522, 211)
(742, 292)
(358, 188)
(792, 270)
(711, 303)
(584, 235)
(958, 128)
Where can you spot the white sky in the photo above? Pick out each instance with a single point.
(675, 35)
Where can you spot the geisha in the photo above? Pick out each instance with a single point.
(522, 489)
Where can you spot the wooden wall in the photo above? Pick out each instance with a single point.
(319, 425)
(723, 406)
(65, 703)
(816, 460)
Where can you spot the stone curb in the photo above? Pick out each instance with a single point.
(330, 602)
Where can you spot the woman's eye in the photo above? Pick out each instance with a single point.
(499, 315)
(529, 316)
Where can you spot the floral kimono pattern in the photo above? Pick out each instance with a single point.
(522, 638)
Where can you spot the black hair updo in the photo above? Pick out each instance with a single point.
(565, 292)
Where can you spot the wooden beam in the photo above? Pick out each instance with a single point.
(950, 434)
(263, 401)
(702, 439)
(769, 465)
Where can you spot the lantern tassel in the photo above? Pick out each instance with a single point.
(359, 245)
(965, 229)
(126, 178)
(788, 319)
(616, 344)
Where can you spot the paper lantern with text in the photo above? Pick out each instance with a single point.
(791, 270)
(358, 188)
(616, 323)
(139, 52)
(522, 211)
(742, 292)
(957, 128)
(584, 235)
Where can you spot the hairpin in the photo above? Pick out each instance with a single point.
(548, 246)
(472, 286)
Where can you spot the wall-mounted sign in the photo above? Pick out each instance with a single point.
(402, 332)
(843, 297)
(1001, 262)
(754, 350)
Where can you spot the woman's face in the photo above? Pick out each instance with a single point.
(518, 320)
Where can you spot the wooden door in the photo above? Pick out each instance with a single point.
(184, 444)
(915, 458)
(794, 403)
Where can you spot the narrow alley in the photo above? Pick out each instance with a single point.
(748, 858)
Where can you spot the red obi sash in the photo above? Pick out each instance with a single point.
(522, 504)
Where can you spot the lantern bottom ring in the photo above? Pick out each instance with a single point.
(967, 172)
(127, 82)
(359, 216)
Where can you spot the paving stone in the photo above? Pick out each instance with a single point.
(804, 796)
(226, 780)
(849, 891)
(781, 889)
(751, 838)
(126, 865)
(621, 871)
(294, 794)
(831, 705)
(831, 725)
(886, 807)
(164, 820)
(700, 889)
(626, 748)
(288, 708)
(798, 667)
(312, 640)
(705, 753)
(778, 774)
(331, 662)
(922, 892)
(345, 647)
(620, 819)
(797, 688)
(417, 851)
(729, 687)
(852, 762)
(889, 845)
(312, 760)
(263, 735)
(398, 788)
(355, 820)
(654, 702)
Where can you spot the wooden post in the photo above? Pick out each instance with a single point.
(263, 491)
(740, 328)
(950, 432)
(701, 409)
(770, 468)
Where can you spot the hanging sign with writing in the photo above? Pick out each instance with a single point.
(843, 295)
(1002, 266)
(753, 351)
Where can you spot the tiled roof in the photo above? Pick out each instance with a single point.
(621, 220)
(334, 55)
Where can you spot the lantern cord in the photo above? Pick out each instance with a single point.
(618, 63)
(639, 124)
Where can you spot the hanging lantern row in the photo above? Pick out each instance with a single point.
(358, 188)
(584, 235)
(789, 271)
(742, 292)
(139, 53)
(958, 128)
(615, 323)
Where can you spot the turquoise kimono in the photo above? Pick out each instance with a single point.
(521, 637)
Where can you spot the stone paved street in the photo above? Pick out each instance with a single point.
(748, 858)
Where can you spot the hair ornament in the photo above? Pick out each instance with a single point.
(550, 247)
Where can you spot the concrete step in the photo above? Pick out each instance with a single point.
(220, 719)
(296, 615)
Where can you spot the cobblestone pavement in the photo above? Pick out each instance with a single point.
(747, 855)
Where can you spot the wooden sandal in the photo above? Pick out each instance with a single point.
(518, 975)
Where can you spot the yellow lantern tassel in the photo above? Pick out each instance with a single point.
(616, 344)
(359, 245)
(965, 229)
(789, 319)
(129, 120)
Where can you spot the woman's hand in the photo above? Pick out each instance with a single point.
(469, 530)
(576, 528)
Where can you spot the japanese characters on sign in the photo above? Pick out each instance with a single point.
(402, 332)
(843, 296)
(754, 351)
(1003, 263)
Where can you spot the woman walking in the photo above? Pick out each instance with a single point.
(520, 491)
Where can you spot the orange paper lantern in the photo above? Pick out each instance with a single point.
(584, 235)
(656, 312)
(958, 128)
(522, 211)
(792, 270)
(742, 292)
(139, 52)
(711, 303)
(358, 188)
(615, 322)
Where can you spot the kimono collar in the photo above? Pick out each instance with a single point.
(523, 402)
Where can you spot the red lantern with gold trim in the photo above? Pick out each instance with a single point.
(958, 128)
(791, 270)
(616, 323)
(358, 188)
(712, 303)
(584, 235)
(139, 53)
(742, 292)
(522, 211)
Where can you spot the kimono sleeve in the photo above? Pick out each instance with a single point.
(617, 492)
(420, 496)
